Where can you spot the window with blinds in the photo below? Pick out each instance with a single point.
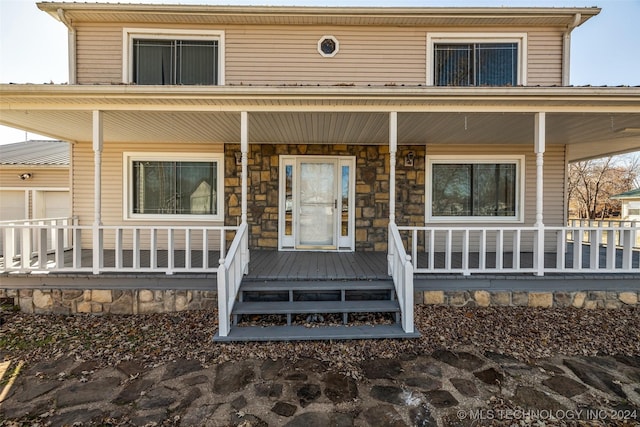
(475, 64)
(175, 62)
(486, 188)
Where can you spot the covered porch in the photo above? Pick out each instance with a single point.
(400, 125)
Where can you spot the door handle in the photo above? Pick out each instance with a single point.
(335, 204)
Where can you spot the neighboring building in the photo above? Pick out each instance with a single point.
(630, 210)
(34, 180)
(324, 129)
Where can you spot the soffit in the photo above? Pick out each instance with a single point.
(590, 120)
(279, 15)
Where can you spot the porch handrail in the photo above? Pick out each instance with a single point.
(401, 269)
(517, 249)
(230, 274)
(38, 221)
(22, 239)
(131, 248)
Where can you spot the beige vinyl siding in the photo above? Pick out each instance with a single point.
(113, 185)
(545, 58)
(42, 177)
(554, 173)
(288, 55)
(554, 176)
(99, 54)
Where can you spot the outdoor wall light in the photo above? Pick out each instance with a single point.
(408, 159)
(238, 155)
(24, 176)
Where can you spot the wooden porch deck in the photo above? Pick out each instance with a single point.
(270, 265)
(274, 265)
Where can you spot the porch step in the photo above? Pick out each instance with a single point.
(302, 333)
(315, 285)
(305, 307)
(283, 306)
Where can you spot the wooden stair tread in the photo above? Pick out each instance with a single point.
(313, 285)
(303, 333)
(285, 307)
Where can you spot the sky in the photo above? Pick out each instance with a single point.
(605, 51)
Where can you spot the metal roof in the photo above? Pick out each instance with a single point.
(44, 153)
(633, 194)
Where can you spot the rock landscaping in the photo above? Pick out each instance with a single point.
(471, 367)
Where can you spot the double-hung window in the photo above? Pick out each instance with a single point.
(481, 189)
(156, 57)
(173, 186)
(473, 60)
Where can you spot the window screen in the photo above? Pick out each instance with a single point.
(474, 189)
(476, 64)
(174, 188)
(175, 62)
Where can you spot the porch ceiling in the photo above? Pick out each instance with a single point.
(601, 123)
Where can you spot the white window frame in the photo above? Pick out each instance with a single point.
(518, 160)
(288, 243)
(127, 184)
(130, 34)
(519, 38)
(332, 54)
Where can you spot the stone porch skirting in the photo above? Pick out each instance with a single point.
(141, 301)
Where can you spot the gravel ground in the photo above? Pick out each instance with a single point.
(523, 333)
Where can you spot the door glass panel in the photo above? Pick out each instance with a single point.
(344, 221)
(288, 202)
(317, 201)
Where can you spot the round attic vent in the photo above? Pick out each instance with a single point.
(328, 46)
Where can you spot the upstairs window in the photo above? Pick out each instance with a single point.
(173, 57)
(476, 64)
(175, 62)
(476, 59)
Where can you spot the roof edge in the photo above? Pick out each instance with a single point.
(327, 11)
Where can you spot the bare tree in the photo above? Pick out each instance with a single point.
(593, 182)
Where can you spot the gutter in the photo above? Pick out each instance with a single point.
(71, 45)
(566, 49)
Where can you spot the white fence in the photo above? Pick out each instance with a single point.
(580, 248)
(401, 269)
(134, 248)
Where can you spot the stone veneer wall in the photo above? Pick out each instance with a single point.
(139, 301)
(578, 299)
(58, 301)
(371, 199)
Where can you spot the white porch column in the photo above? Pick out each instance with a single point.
(393, 148)
(539, 141)
(539, 147)
(97, 191)
(244, 149)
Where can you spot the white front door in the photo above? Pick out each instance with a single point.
(316, 203)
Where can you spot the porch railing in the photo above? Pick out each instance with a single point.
(105, 248)
(230, 272)
(537, 250)
(22, 240)
(605, 225)
(401, 269)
